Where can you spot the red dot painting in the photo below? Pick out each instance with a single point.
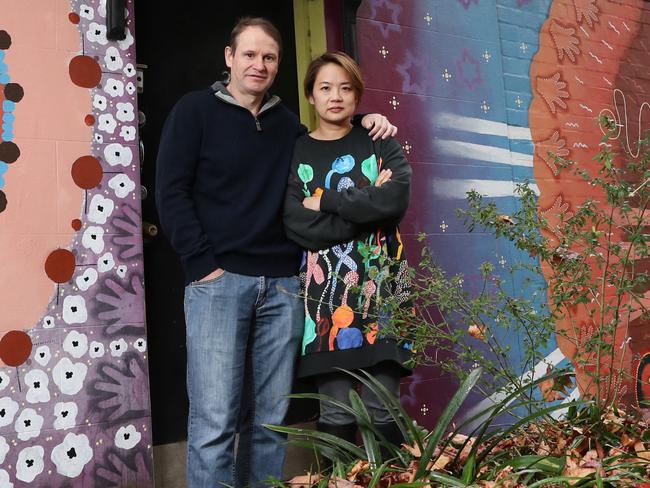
(87, 172)
(15, 347)
(59, 265)
(85, 71)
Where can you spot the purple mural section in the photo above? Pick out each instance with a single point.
(75, 410)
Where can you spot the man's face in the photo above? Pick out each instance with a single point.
(253, 64)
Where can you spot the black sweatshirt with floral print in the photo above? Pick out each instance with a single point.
(354, 256)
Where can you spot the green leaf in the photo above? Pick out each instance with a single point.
(444, 420)
(369, 169)
(377, 476)
(328, 439)
(547, 464)
(445, 479)
(323, 449)
(305, 173)
(364, 423)
(468, 470)
(555, 481)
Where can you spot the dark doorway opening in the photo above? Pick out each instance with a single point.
(182, 46)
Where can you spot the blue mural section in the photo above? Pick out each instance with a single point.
(454, 76)
(7, 115)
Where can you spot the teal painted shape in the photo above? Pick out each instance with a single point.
(370, 169)
(310, 333)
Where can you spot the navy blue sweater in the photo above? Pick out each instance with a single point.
(221, 176)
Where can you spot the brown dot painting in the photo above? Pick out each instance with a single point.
(85, 71)
(76, 224)
(87, 172)
(5, 40)
(3, 201)
(89, 119)
(9, 152)
(60, 265)
(14, 92)
(74, 17)
(15, 347)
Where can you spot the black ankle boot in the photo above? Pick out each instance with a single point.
(393, 435)
(347, 432)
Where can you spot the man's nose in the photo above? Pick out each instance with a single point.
(258, 63)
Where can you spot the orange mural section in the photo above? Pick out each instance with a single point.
(589, 65)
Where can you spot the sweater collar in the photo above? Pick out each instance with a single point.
(221, 92)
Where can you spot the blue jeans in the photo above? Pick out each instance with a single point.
(229, 319)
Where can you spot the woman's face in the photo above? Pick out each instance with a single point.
(333, 95)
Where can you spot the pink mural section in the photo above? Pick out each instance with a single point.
(74, 397)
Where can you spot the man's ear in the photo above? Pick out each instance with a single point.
(228, 54)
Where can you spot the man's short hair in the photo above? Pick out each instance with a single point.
(348, 64)
(264, 24)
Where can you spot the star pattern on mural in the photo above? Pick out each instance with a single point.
(446, 74)
(414, 74)
(485, 106)
(384, 9)
(487, 56)
(467, 3)
(384, 52)
(468, 69)
(394, 103)
(407, 147)
(428, 18)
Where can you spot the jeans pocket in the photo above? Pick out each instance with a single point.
(194, 284)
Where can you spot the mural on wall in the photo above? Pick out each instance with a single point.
(74, 401)
(588, 65)
(481, 91)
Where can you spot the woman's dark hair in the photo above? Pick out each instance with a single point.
(348, 64)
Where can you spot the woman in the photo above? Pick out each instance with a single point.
(345, 197)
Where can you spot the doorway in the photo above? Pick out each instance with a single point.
(182, 47)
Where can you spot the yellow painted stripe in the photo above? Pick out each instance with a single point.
(309, 22)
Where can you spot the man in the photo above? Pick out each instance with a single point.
(222, 170)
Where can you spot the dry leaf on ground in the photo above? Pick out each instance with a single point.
(304, 481)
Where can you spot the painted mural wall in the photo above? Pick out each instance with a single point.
(74, 402)
(482, 90)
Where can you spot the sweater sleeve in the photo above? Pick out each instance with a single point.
(308, 228)
(371, 205)
(176, 165)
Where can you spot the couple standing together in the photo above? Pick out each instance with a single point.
(225, 157)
